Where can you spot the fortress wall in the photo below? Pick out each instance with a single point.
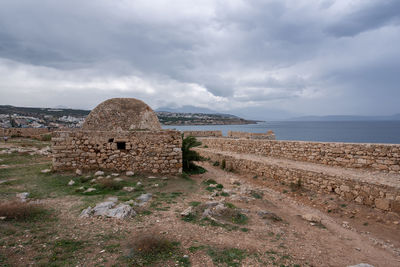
(382, 157)
(139, 151)
(24, 132)
(376, 195)
(202, 133)
(266, 136)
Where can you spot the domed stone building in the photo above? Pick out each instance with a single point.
(120, 134)
(122, 114)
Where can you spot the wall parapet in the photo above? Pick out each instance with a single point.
(202, 133)
(139, 151)
(24, 132)
(247, 135)
(381, 157)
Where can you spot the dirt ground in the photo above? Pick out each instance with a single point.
(348, 233)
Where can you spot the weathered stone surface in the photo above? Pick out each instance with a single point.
(311, 218)
(109, 209)
(361, 265)
(382, 203)
(144, 198)
(99, 173)
(130, 173)
(187, 211)
(128, 188)
(122, 114)
(78, 172)
(71, 182)
(45, 171)
(22, 196)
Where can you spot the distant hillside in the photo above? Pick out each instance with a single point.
(395, 117)
(65, 117)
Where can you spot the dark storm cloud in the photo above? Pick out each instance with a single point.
(224, 55)
(372, 15)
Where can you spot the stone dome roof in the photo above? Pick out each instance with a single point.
(122, 114)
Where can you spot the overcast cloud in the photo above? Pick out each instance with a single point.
(264, 59)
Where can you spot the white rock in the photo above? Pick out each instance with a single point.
(102, 208)
(115, 174)
(138, 184)
(108, 176)
(187, 212)
(121, 211)
(98, 173)
(130, 173)
(152, 177)
(22, 196)
(45, 171)
(144, 198)
(78, 172)
(93, 181)
(118, 179)
(86, 212)
(128, 188)
(361, 265)
(90, 189)
(71, 182)
(113, 199)
(311, 218)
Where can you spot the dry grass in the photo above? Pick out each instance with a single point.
(149, 248)
(110, 184)
(21, 211)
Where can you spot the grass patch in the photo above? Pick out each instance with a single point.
(256, 195)
(64, 249)
(194, 203)
(196, 170)
(228, 256)
(22, 211)
(216, 163)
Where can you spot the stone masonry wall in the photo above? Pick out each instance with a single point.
(266, 136)
(138, 151)
(24, 132)
(375, 195)
(202, 133)
(382, 157)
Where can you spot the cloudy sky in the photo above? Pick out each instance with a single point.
(262, 59)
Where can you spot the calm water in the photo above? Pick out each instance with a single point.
(347, 131)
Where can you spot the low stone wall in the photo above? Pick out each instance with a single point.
(202, 133)
(266, 136)
(380, 196)
(382, 157)
(138, 151)
(24, 132)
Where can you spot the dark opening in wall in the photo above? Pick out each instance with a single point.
(111, 140)
(121, 145)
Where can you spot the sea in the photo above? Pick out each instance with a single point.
(321, 131)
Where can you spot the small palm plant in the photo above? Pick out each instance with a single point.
(189, 155)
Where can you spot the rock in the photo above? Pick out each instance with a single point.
(269, 215)
(130, 173)
(138, 184)
(382, 203)
(108, 209)
(311, 218)
(130, 202)
(71, 182)
(115, 174)
(361, 265)
(3, 181)
(121, 211)
(45, 171)
(152, 177)
(187, 211)
(128, 188)
(99, 173)
(101, 209)
(118, 179)
(78, 172)
(144, 198)
(90, 189)
(86, 212)
(23, 196)
(108, 176)
(93, 181)
(113, 199)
